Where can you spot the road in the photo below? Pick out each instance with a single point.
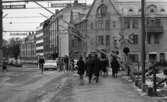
(30, 85)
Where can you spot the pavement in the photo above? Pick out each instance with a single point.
(108, 90)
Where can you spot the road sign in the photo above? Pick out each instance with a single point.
(14, 6)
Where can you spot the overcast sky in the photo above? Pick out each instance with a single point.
(29, 19)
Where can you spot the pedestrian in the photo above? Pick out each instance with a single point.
(41, 62)
(115, 66)
(81, 67)
(66, 61)
(96, 67)
(104, 65)
(4, 65)
(89, 67)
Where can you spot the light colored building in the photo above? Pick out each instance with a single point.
(28, 49)
(112, 25)
(56, 29)
(39, 40)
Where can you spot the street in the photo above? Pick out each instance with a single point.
(30, 85)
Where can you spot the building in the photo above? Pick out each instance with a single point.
(39, 40)
(156, 33)
(103, 27)
(28, 49)
(56, 29)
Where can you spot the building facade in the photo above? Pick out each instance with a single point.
(39, 41)
(56, 30)
(28, 49)
(115, 25)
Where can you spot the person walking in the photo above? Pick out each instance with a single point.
(115, 66)
(41, 62)
(89, 67)
(104, 64)
(81, 67)
(66, 62)
(96, 67)
(4, 65)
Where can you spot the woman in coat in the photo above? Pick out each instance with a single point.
(81, 68)
(115, 66)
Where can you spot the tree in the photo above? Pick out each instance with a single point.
(14, 47)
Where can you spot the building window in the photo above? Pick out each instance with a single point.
(101, 10)
(107, 25)
(134, 57)
(152, 10)
(114, 24)
(149, 38)
(101, 40)
(156, 39)
(107, 40)
(130, 10)
(135, 39)
(162, 10)
(127, 23)
(135, 23)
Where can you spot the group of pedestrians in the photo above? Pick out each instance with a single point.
(94, 66)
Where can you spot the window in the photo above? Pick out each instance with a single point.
(101, 40)
(135, 23)
(91, 25)
(149, 38)
(135, 38)
(134, 57)
(101, 11)
(114, 24)
(156, 39)
(127, 23)
(162, 10)
(130, 10)
(107, 40)
(152, 10)
(107, 25)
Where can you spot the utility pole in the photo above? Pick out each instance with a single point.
(1, 29)
(143, 35)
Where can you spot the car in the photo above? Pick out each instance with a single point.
(50, 64)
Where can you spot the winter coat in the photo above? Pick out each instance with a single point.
(81, 67)
(115, 65)
(89, 67)
(96, 66)
(41, 61)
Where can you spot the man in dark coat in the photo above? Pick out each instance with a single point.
(96, 67)
(104, 64)
(89, 67)
(81, 67)
(41, 62)
(115, 66)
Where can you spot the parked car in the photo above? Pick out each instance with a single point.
(50, 64)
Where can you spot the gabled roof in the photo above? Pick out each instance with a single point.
(114, 7)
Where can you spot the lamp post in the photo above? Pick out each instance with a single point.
(143, 35)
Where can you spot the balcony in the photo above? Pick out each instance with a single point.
(154, 28)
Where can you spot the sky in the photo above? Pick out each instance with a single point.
(29, 19)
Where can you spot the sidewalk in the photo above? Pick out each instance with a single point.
(108, 90)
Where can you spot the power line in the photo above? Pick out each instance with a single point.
(16, 1)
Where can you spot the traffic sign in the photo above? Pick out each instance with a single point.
(14, 6)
